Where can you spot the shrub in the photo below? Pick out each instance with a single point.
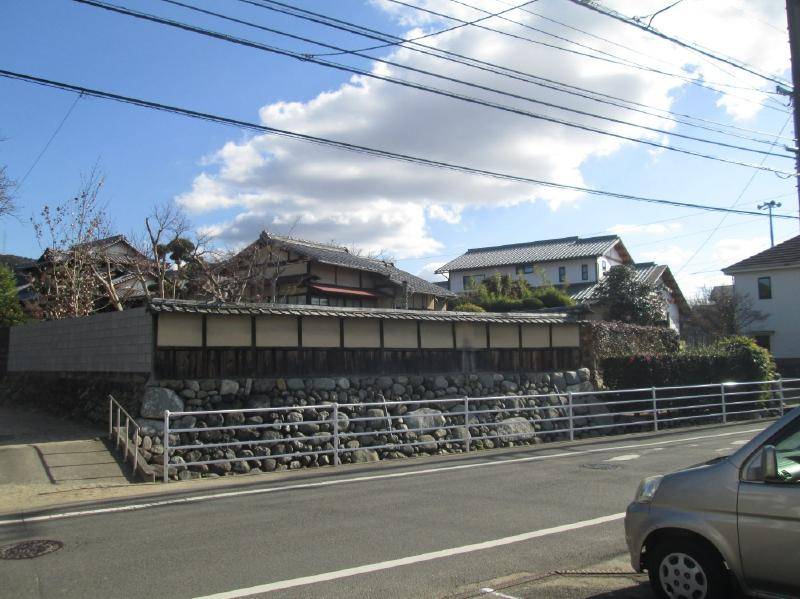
(504, 294)
(552, 297)
(467, 307)
(730, 359)
(610, 339)
(532, 303)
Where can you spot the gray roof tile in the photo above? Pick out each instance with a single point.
(340, 256)
(783, 254)
(545, 250)
(566, 315)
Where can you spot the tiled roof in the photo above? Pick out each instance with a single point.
(566, 315)
(546, 250)
(648, 272)
(783, 254)
(336, 255)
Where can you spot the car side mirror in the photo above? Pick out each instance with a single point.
(769, 463)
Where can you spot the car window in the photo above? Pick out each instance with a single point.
(787, 451)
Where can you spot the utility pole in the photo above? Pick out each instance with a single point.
(769, 206)
(793, 22)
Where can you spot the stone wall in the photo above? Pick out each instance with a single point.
(81, 396)
(289, 434)
(109, 342)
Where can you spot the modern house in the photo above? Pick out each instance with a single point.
(576, 263)
(567, 260)
(292, 271)
(771, 282)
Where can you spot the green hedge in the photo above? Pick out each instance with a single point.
(730, 359)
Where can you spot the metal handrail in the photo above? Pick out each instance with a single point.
(129, 420)
(723, 402)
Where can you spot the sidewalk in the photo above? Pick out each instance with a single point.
(611, 579)
(41, 455)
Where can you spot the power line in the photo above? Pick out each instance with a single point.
(658, 12)
(515, 74)
(635, 64)
(475, 85)
(684, 44)
(49, 141)
(504, 71)
(350, 147)
(449, 94)
(613, 59)
(432, 34)
(735, 203)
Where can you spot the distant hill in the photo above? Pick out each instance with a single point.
(13, 261)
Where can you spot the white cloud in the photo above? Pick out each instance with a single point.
(429, 272)
(273, 181)
(450, 215)
(705, 270)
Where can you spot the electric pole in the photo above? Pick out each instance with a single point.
(793, 22)
(769, 206)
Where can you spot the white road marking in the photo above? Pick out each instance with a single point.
(624, 458)
(414, 559)
(738, 442)
(488, 591)
(657, 449)
(693, 445)
(356, 479)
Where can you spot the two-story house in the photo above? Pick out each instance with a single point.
(567, 260)
(770, 281)
(575, 263)
(293, 271)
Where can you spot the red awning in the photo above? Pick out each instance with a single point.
(332, 290)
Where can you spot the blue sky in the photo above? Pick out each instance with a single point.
(230, 181)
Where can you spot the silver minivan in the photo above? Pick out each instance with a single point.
(729, 525)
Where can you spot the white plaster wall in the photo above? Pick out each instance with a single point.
(782, 311)
(549, 269)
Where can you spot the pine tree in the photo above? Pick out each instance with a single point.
(10, 309)
(629, 300)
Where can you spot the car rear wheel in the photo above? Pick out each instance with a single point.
(685, 569)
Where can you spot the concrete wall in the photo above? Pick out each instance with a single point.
(108, 342)
(782, 323)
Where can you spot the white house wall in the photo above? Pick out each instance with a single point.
(550, 269)
(783, 315)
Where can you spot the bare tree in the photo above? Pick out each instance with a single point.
(720, 312)
(7, 204)
(74, 279)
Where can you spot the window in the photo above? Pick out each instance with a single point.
(524, 269)
(319, 301)
(762, 340)
(584, 272)
(562, 274)
(765, 288)
(604, 266)
(472, 281)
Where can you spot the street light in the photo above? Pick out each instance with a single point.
(769, 206)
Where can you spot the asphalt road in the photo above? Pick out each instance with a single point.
(436, 527)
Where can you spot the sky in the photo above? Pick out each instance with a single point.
(233, 183)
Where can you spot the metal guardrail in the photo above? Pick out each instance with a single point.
(651, 407)
(122, 434)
